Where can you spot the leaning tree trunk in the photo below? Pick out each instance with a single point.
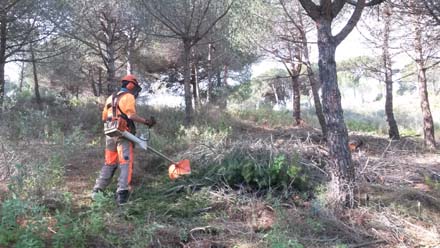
(393, 131)
(317, 100)
(313, 82)
(186, 80)
(428, 123)
(340, 164)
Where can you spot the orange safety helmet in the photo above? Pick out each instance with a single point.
(130, 83)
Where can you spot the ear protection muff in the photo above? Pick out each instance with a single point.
(132, 86)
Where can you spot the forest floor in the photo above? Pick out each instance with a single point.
(399, 196)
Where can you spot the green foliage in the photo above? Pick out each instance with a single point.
(351, 71)
(280, 235)
(265, 115)
(362, 126)
(435, 184)
(35, 180)
(259, 171)
(22, 224)
(278, 239)
(69, 231)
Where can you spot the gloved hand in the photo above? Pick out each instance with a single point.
(150, 122)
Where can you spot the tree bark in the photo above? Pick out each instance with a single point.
(341, 166)
(20, 86)
(313, 85)
(226, 75)
(3, 33)
(219, 78)
(93, 83)
(275, 93)
(35, 73)
(316, 99)
(99, 81)
(296, 98)
(111, 71)
(428, 123)
(209, 65)
(186, 79)
(393, 131)
(195, 83)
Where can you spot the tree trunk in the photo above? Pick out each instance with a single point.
(219, 78)
(296, 98)
(20, 86)
(225, 76)
(186, 79)
(209, 69)
(341, 166)
(195, 84)
(313, 83)
(2, 85)
(129, 64)
(428, 123)
(393, 131)
(3, 33)
(275, 93)
(35, 73)
(93, 83)
(112, 85)
(316, 99)
(99, 81)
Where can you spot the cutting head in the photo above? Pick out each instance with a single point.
(178, 169)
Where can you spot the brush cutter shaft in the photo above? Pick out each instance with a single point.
(160, 154)
(140, 142)
(143, 144)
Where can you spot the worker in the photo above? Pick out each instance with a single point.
(119, 150)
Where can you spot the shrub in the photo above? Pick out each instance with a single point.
(258, 171)
(22, 223)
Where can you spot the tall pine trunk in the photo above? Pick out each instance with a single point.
(186, 80)
(209, 70)
(112, 85)
(35, 73)
(195, 84)
(3, 33)
(20, 86)
(296, 99)
(393, 130)
(342, 171)
(428, 123)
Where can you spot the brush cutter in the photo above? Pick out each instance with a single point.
(175, 170)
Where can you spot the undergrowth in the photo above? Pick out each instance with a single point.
(221, 201)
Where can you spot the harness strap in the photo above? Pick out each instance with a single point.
(115, 103)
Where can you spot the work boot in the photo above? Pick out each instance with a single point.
(122, 197)
(95, 192)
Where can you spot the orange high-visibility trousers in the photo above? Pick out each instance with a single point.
(118, 153)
